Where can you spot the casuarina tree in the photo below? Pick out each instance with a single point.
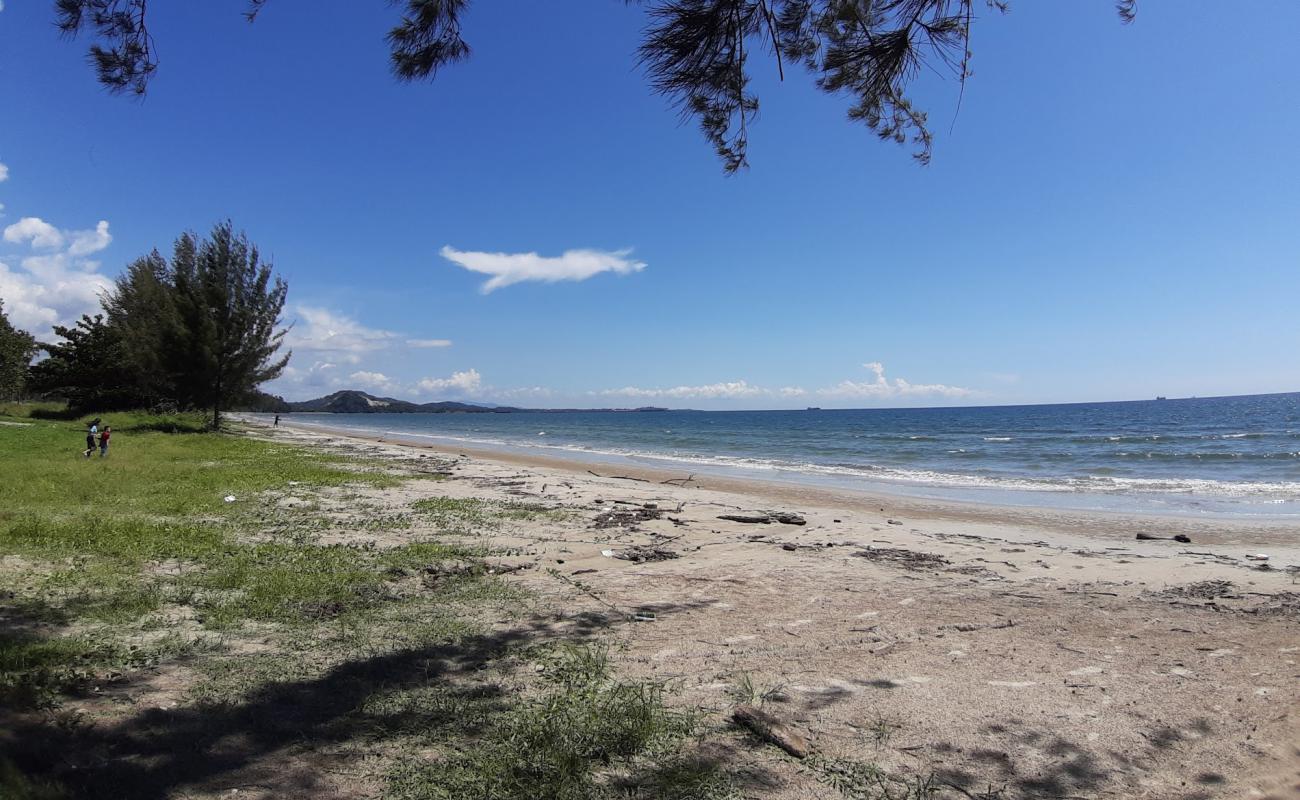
(227, 305)
(16, 351)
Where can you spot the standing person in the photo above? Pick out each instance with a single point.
(277, 421)
(103, 441)
(91, 432)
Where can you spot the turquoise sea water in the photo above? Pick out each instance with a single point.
(1229, 455)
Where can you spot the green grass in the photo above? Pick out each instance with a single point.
(586, 736)
(114, 566)
(464, 514)
(112, 542)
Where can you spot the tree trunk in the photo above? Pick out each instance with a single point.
(216, 404)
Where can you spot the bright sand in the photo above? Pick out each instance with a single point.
(1043, 653)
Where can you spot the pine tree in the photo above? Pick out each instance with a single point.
(228, 309)
(142, 309)
(85, 368)
(16, 350)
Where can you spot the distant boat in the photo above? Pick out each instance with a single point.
(1161, 397)
(814, 408)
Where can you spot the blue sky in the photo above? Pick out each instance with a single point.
(1112, 215)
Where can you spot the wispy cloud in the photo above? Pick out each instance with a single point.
(708, 391)
(511, 268)
(879, 387)
(325, 333)
(424, 343)
(4, 170)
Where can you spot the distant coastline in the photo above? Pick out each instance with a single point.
(350, 401)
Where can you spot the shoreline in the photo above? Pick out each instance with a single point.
(1084, 660)
(1066, 524)
(1202, 498)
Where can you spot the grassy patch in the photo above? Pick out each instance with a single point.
(117, 565)
(564, 744)
(462, 514)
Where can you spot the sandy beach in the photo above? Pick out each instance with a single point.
(1013, 652)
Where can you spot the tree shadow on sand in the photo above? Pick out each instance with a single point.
(266, 739)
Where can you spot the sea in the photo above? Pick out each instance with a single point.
(1232, 456)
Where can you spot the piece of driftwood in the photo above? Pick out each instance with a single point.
(771, 730)
(618, 477)
(1176, 538)
(783, 517)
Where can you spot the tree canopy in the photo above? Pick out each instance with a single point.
(200, 331)
(695, 52)
(16, 350)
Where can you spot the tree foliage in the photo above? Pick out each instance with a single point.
(696, 52)
(16, 351)
(229, 311)
(200, 331)
(86, 367)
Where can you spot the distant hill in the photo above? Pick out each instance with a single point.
(351, 401)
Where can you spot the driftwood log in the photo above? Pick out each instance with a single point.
(783, 517)
(771, 730)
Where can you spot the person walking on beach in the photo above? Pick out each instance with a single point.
(91, 432)
(103, 441)
(277, 421)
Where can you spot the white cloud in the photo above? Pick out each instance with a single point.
(36, 231)
(709, 391)
(374, 381)
(423, 343)
(881, 387)
(86, 242)
(466, 382)
(57, 286)
(878, 388)
(573, 265)
(334, 336)
(4, 170)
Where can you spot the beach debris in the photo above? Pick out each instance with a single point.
(1205, 590)
(907, 559)
(230, 498)
(679, 481)
(625, 517)
(1145, 537)
(618, 477)
(644, 616)
(607, 553)
(766, 518)
(771, 730)
(894, 522)
(645, 553)
(790, 547)
(1257, 557)
(761, 519)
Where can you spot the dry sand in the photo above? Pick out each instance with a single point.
(1013, 652)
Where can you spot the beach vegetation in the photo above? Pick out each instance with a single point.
(174, 560)
(16, 350)
(201, 331)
